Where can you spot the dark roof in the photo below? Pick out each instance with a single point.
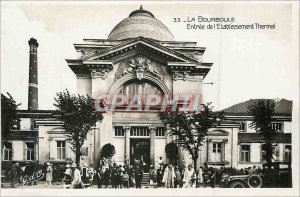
(257, 138)
(282, 107)
(23, 134)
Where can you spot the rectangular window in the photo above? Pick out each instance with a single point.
(160, 132)
(287, 153)
(242, 127)
(277, 126)
(119, 131)
(61, 150)
(245, 153)
(216, 155)
(139, 131)
(216, 147)
(30, 153)
(7, 152)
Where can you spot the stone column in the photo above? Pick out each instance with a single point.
(152, 144)
(96, 143)
(127, 143)
(168, 139)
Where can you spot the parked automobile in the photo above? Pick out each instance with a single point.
(241, 181)
(277, 175)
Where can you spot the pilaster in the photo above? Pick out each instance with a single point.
(127, 143)
(152, 144)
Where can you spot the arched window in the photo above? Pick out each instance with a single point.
(140, 88)
(137, 91)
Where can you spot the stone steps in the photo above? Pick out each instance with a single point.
(145, 180)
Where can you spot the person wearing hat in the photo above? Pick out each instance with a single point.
(188, 177)
(200, 176)
(67, 177)
(178, 178)
(14, 173)
(152, 177)
(49, 175)
(92, 173)
(85, 175)
(138, 177)
(125, 179)
(76, 183)
(106, 176)
(169, 176)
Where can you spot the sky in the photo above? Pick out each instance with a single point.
(248, 64)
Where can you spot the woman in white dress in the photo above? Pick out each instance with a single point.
(200, 176)
(169, 176)
(188, 177)
(49, 177)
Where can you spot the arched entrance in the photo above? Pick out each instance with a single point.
(140, 128)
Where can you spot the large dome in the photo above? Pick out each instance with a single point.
(141, 23)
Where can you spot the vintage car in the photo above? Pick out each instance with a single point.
(277, 175)
(241, 181)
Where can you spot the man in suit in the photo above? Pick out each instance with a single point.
(138, 176)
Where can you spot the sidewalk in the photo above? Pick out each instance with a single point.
(41, 185)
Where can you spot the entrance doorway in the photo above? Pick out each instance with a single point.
(140, 147)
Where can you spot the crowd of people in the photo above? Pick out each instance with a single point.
(109, 174)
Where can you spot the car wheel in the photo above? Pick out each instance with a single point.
(237, 184)
(254, 181)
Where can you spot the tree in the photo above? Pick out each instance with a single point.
(78, 116)
(9, 116)
(190, 127)
(262, 112)
(171, 150)
(108, 150)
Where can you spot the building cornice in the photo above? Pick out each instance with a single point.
(131, 44)
(287, 118)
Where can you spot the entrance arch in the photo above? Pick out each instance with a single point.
(116, 87)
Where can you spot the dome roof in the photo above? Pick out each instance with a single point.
(141, 23)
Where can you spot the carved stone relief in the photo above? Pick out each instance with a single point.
(138, 64)
(99, 73)
(180, 75)
(88, 53)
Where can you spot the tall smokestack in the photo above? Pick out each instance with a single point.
(33, 75)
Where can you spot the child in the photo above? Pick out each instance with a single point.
(125, 179)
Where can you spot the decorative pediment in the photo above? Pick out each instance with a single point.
(107, 55)
(218, 132)
(138, 64)
(141, 44)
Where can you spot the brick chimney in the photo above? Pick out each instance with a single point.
(33, 75)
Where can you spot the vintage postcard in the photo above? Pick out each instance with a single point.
(153, 98)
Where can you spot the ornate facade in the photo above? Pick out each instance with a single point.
(140, 57)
